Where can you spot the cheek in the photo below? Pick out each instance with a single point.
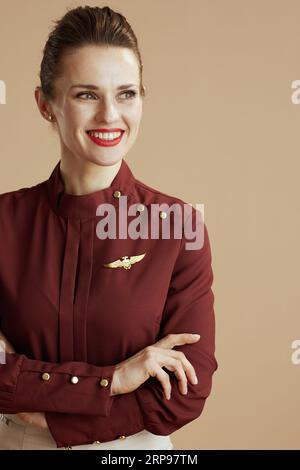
(134, 116)
(74, 114)
(75, 119)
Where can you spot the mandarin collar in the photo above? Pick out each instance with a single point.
(84, 206)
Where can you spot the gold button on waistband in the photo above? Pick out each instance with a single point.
(117, 194)
(46, 376)
(162, 214)
(122, 437)
(104, 382)
(97, 442)
(74, 379)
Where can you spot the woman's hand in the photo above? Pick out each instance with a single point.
(7, 346)
(34, 418)
(148, 362)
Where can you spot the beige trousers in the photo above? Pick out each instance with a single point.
(14, 435)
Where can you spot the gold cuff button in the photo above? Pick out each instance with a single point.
(46, 376)
(74, 379)
(68, 448)
(162, 215)
(122, 437)
(97, 442)
(117, 194)
(104, 382)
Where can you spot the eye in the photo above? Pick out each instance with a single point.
(84, 93)
(130, 92)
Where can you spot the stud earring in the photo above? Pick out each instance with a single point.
(50, 117)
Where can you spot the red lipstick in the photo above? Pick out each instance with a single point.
(105, 142)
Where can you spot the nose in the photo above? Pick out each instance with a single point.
(107, 111)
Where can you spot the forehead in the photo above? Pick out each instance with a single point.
(103, 65)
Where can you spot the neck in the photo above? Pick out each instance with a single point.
(84, 177)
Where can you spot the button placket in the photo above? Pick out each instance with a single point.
(68, 285)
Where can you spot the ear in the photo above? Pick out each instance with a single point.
(43, 104)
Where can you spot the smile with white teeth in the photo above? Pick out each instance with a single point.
(105, 135)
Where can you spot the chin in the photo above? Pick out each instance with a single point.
(105, 161)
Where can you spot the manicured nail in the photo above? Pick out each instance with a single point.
(196, 336)
(195, 380)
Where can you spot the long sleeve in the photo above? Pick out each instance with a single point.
(69, 387)
(188, 309)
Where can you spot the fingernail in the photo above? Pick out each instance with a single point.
(195, 380)
(196, 336)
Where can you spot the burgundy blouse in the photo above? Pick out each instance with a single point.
(71, 319)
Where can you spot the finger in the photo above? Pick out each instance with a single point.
(171, 340)
(25, 417)
(187, 366)
(164, 379)
(34, 419)
(39, 420)
(8, 347)
(175, 366)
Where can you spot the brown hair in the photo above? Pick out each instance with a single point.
(83, 26)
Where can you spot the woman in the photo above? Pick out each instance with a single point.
(90, 322)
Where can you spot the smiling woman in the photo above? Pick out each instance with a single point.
(91, 360)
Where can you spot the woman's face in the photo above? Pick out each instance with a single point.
(79, 108)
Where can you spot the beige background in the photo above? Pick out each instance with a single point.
(219, 128)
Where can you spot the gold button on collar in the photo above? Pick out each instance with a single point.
(74, 379)
(103, 382)
(117, 194)
(46, 376)
(162, 214)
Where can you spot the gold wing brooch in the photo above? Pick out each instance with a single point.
(125, 262)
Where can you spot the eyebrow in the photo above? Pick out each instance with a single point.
(94, 87)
